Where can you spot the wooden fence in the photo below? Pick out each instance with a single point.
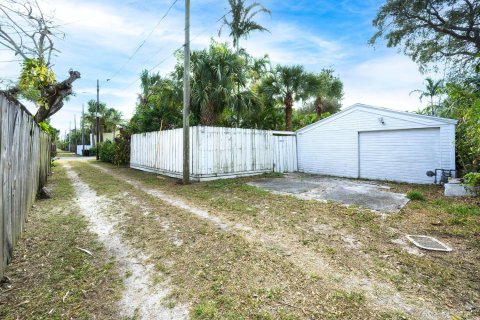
(24, 167)
(215, 152)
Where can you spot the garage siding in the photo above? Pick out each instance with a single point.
(331, 146)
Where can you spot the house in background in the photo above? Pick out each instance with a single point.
(359, 142)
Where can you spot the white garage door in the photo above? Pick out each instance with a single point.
(399, 155)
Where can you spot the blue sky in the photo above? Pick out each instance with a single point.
(102, 35)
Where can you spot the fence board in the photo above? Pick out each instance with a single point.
(24, 166)
(285, 153)
(215, 152)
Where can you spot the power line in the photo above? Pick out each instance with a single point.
(145, 40)
(173, 52)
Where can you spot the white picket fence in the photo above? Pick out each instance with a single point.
(215, 152)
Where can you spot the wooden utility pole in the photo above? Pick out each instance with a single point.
(70, 136)
(98, 119)
(186, 97)
(83, 129)
(75, 133)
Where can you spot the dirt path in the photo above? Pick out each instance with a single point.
(381, 295)
(141, 298)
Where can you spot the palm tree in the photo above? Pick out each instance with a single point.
(326, 89)
(432, 89)
(90, 117)
(113, 118)
(215, 74)
(147, 83)
(241, 23)
(289, 84)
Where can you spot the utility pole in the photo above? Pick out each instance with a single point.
(69, 135)
(186, 97)
(98, 119)
(83, 129)
(75, 133)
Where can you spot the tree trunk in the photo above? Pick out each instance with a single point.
(318, 107)
(54, 96)
(207, 117)
(288, 101)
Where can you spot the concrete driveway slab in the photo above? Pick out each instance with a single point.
(365, 194)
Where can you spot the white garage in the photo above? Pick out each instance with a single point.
(376, 143)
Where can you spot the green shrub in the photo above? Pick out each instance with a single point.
(122, 148)
(473, 179)
(415, 195)
(106, 151)
(93, 151)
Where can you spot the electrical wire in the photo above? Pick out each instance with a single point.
(145, 40)
(173, 52)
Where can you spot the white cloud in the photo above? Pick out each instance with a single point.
(383, 81)
(289, 43)
(101, 35)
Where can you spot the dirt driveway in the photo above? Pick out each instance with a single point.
(365, 194)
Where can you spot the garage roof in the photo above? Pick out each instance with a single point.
(419, 118)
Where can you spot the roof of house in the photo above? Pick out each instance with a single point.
(381, 109)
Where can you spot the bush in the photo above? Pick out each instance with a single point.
(473, 180)
(122, 148)
(415, 195)
(93, 151)
(106, 151)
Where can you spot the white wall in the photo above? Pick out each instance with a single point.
(331, 147)
(214, 152)
(80, 148)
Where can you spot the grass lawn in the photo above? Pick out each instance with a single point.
(66, 154)
(356, 243)
(257, 255)
(50, 278)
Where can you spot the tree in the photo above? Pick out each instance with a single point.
(90, 117)
(147, 83)
(159, 105)
(289, 85)
(432, 89)
(462, 102)
(29, 33)
(113, 119)
(327, 91)
(431, 31)
(241, 23)
(216, 72)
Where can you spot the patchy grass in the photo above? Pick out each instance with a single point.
(345, 236)
(221, 275)
(66, 154)
(415, 195)
(50, 277)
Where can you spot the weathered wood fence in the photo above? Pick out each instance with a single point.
(215, 152)
(24, 167)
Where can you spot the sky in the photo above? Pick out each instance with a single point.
(102, 38)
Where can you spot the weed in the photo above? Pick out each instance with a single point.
(415, 195)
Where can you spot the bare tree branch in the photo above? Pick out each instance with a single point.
(29, 33)
(37, 43)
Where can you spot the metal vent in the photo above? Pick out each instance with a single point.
(428, 243)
